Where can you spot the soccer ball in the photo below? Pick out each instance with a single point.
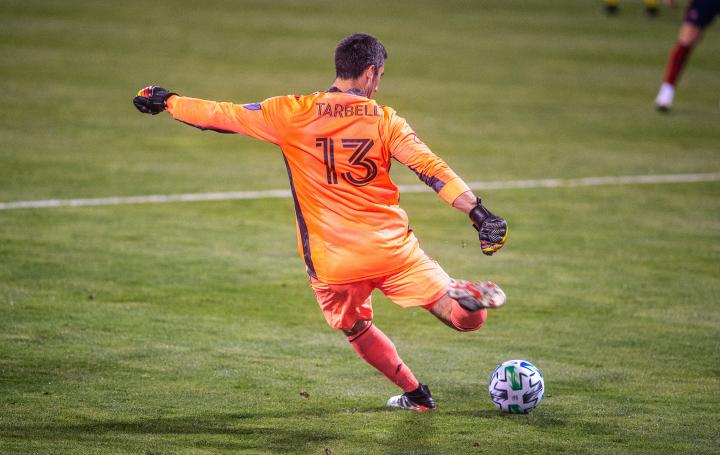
(516, 386)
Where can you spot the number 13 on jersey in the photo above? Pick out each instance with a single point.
(359, 148)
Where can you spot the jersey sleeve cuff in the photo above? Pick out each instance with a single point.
(170, 102)
(453, 189)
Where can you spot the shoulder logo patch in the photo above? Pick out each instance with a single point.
(252, 106)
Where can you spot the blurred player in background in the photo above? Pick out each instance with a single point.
(352, 234)
(698, 15)
(612, 7)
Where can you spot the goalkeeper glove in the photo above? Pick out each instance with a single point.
(492, 228)
(151, 100)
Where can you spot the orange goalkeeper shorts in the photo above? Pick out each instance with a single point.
(421, 283)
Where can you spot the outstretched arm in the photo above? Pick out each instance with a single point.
(249, 119)
(411, 151)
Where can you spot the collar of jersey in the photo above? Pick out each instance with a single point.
(352, 91)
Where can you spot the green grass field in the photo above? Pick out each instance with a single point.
(191, 328)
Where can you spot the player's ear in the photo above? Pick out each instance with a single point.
(370, 72)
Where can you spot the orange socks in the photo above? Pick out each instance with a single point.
(374, 347)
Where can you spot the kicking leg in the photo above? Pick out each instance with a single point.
(456, 317)
(464, 307)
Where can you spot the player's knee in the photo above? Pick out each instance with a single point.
(358, 328)
(690, 34)
(470, 328)
(465, 321)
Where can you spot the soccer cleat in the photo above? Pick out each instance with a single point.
(474, 296)
(664, 98)
(418, 400)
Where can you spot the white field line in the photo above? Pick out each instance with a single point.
(266, 194)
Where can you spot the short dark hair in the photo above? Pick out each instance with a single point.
(355, 53)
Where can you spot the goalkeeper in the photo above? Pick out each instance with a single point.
(352, 234)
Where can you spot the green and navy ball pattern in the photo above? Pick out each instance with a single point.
(516, 386)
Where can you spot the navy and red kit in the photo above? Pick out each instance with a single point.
(702, 12)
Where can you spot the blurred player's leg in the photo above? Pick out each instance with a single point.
(651, 8)
(612, 7)
(689, 35)
(698, 15)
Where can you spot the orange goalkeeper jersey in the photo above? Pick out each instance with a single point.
(337, 148)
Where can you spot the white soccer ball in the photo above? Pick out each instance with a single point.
(516, 386)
